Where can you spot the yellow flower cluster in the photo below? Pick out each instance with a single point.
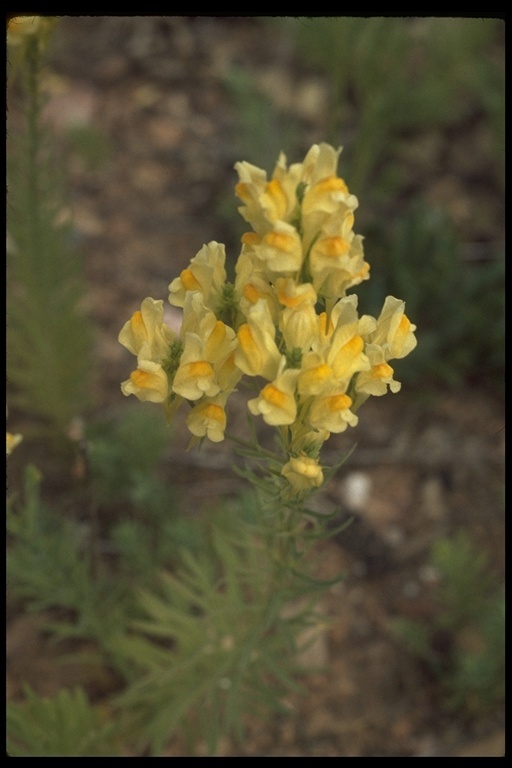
(20, 29)
(12, 441)
(286, 319)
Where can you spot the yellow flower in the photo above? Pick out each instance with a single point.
(206, 274)
(146, 327)
(337, 264)
(148, 382)
(20, 28)
(315, 374)
(332, 412)
(394, 332)
(281, 249)
(298, 320)
(327, 196)
(267, 202)
(205, 364)
(252, 282)
(12, 441)
(25, 34)
(303, 473)
(195, 377)
(208, 419)
(257, 353)
(276, 402)
(379, 377)
(320, 163)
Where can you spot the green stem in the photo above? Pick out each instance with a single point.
(32, 166)
(265, 453)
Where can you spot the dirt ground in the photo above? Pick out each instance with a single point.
(423, 467)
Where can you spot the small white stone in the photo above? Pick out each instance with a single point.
(356, 490)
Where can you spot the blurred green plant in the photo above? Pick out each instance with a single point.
(48, 338)
(66, 725)
(216, 641)
(91, 145)
(50, 564)
(463, 643)
(138, 503)
(389, 76)
(261, 129)
(458, 304)
(87, 568)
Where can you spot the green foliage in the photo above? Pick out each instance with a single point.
(389, 76)
(261, 130)
(201, 644)
(458, 306)
(50, 564)
(464, 643)
(214, 643)
(66, 725)
(48, 340)
(124, 456)
(92, 146)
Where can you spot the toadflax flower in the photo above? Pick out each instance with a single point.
(12, 441)
(303, 473)
(286, 321)
(146, 335)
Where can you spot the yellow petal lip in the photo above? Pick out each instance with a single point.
(312, 380)
(137, 322)
(215, 412)
(199, 369)
(331, 184)
(354, 347)
(246, 340)
(339, 402)
(280, 241)
(334, 246)
(251, 293)
(190, 283)
(273, 395)
(145, 379)
(381, 371)
(242, 191)
(251, 238)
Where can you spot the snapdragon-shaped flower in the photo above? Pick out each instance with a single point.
(147, 336)
(12, 441)
(208, 418)
(280, 250)
(205, 274)
(336, 260)
(252, 281)
(379, 377)
(297, 319)
(394, 331)
(276, 401)
(257, 353)
(267, 202)
(303, 474)
(326, 195)
(207, 353)
(392, 338)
